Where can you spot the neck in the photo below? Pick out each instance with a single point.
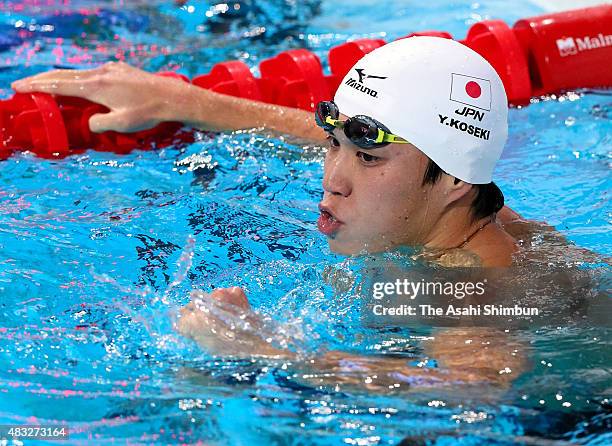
(454, 229)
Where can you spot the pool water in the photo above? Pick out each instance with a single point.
(99, 251)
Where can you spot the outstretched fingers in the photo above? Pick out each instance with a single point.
(61, 82)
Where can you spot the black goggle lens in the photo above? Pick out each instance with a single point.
(326, 109)
(361, 130)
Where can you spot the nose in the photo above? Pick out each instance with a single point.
(337, 173)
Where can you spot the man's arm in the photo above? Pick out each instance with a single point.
(463, 356)
(140, 100)
(222, 323)
(205, 109)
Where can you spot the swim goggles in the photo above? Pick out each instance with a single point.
(361, 130)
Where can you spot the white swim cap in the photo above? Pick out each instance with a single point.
(440, 95)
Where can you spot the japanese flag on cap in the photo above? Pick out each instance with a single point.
(471, 91)
(440, 95)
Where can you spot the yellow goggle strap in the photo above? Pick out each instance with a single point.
(382, 136)
(390, 137)
(334, 122)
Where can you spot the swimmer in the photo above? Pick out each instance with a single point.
(413, 133)
(439, 109)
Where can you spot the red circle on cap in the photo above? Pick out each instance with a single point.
(473, 89)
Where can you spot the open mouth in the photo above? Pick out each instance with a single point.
(327, 223)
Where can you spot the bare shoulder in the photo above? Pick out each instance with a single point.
(494, 246)
(507, 215)
(517, 226)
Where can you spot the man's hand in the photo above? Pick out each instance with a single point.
(137, 100)
(223, 323)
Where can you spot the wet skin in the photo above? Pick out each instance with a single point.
(376, 195)
(379, 199)
(375, 200)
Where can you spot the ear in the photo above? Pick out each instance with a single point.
(454, 189)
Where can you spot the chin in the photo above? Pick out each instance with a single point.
(344, 248)
(351, 248)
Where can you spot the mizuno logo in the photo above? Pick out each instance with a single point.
(363, 76)
(358, 84)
